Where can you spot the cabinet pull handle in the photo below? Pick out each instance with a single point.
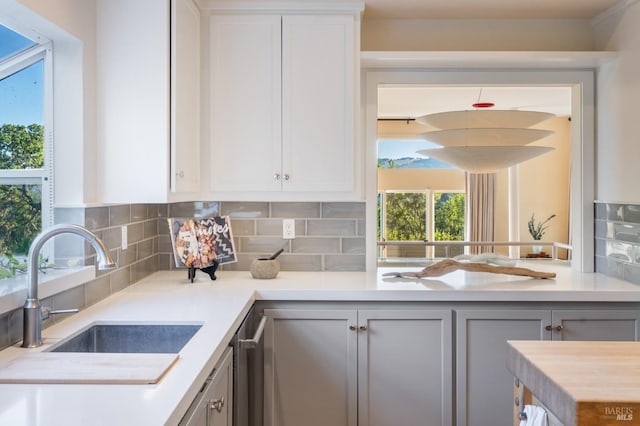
(363, 328)
(217, 404)
(556, 328)
(352, 327)
(255, 340)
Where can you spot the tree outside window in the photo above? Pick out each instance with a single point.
(406, 216)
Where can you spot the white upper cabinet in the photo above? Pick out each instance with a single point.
(185, 96)
(318, 121)
(283, 104)
(245, 102)
(148, 100)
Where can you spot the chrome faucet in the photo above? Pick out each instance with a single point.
(33, 312)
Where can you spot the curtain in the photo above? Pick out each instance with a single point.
(480, 209)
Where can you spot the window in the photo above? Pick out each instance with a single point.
(410, 209)
(421, 216)
(448, 222)
(25, 159)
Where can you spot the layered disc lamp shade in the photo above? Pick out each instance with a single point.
(484, 141)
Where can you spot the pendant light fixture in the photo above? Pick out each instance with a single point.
(485, 159)
(485, 136)
(484, 118)
(484, 140)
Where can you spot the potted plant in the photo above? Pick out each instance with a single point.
(537, 229)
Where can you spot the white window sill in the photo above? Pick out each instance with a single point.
(13, 291)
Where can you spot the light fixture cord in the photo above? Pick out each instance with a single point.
(479, 96)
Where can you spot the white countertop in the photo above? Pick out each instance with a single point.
(222, 304)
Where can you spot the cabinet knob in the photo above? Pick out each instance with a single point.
(363, 328)
(286, 176)
(216, 404)
(276, 176)
(352, 327)
(180, 174)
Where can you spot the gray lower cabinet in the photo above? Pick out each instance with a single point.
(597, 325)
(484, 387)
(213, 405)
(358, 367)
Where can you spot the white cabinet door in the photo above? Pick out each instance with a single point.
(246, 100)
(405, 368)
(149, 104)
(484, 386)
(132, 54)
(310, 367)
(185, 96)
(318, 74)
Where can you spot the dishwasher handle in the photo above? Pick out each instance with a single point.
(253, 342)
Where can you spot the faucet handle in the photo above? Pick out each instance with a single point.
(46, 312)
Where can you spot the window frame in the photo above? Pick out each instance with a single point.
(42, 51)
(430, 203)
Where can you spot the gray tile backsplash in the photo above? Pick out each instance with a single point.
(329, 237)
(322, 230)
(295, 210)
(617, 240)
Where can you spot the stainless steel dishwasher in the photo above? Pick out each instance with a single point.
(248, 372)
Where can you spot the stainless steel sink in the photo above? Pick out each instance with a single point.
(128, 338)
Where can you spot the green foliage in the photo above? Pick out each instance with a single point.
(21, 147)
(449, 216)
(406, 216)
(386, 163)
(20, 217)
(537, 229)
(406, 219)
(9, 265)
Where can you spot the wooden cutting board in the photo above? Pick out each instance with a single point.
(87, 368)
(582, 383)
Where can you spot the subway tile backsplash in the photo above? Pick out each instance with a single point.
(329, 237)
(617, 244)
(324, 232)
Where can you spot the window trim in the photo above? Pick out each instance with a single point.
(43, 176)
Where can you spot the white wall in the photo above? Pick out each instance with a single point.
(477, 34)
(618, 92)
(544, 184)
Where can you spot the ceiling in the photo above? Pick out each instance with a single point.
(485, 9)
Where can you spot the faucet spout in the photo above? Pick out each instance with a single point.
(32, 332)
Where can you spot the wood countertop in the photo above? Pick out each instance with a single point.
(581, 383)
